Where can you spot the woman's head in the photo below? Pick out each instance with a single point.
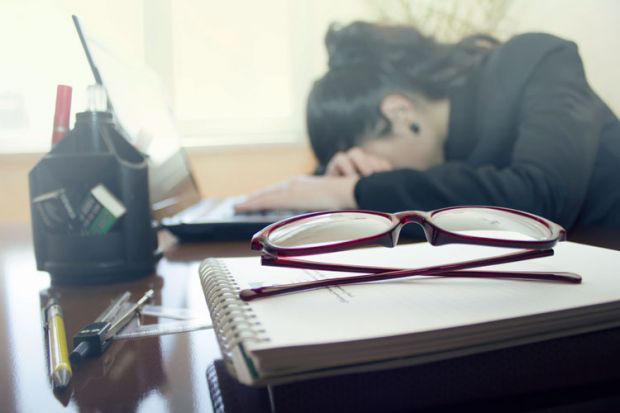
(369, 64)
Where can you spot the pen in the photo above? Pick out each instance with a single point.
(60, 368)
(61, 113)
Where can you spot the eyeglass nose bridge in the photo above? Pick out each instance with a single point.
(421, 218)
(406, 217)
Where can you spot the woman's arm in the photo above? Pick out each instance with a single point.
(304, 193)
(558, 131)
(551, 163)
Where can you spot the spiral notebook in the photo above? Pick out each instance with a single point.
(382, 325)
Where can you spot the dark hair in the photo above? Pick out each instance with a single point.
(369, 61)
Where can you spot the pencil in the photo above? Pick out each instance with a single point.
(60, 367)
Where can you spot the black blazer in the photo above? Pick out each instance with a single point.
(527, 132)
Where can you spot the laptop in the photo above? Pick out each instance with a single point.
(136, 98)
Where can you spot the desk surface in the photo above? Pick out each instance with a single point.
(154, 374)
(166, 373)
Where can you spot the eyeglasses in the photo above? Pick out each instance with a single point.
(332, 231)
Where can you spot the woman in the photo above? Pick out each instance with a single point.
(401, 122)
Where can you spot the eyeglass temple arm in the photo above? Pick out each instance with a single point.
(275, 261)
(542, 276)
(448, 270)
(322, 266)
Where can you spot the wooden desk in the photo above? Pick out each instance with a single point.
(167, 373)
(153, 374)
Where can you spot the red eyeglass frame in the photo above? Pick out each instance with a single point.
(435, 235)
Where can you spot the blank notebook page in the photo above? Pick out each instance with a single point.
(418, 304)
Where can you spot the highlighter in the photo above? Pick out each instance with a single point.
(60, 367)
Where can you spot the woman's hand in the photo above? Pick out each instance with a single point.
(356, 162)
(304, 193)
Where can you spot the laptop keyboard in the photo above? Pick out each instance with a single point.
(222, 210)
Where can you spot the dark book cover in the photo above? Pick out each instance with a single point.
(574, 374)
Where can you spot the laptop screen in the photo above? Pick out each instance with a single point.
(137, 100)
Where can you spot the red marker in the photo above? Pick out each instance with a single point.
(62, 113)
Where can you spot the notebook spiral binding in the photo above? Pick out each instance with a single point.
(233, 320)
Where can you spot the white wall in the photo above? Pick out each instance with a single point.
(594, 25)
(40, 49)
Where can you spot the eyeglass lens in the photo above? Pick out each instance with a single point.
(331, 228)
(491, 223)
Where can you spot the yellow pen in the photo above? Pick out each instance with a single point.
(60, 368)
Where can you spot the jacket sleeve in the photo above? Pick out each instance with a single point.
(548, 174)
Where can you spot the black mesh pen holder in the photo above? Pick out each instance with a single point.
(78, 239)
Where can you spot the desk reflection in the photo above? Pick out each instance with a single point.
(164, 373)
(128, 369)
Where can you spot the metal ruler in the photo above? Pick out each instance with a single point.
(160, 329)
(186, 321)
